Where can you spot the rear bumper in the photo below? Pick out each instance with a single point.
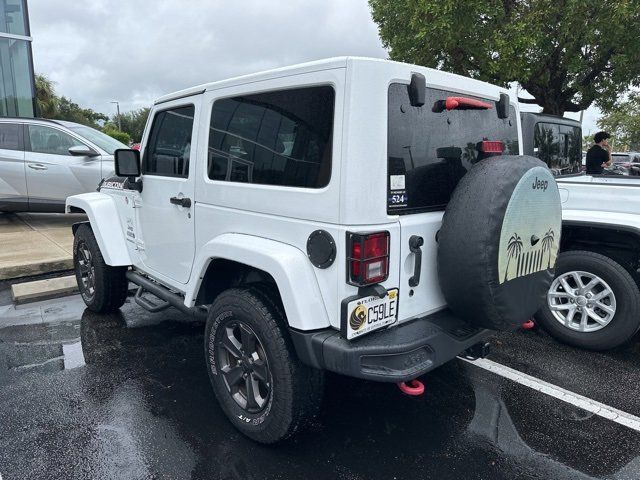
(396, 354)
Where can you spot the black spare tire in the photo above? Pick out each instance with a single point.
(499, 241)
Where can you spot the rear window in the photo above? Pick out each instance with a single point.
(429, 152)
(274, 138)
(620, 158)
(559, 146)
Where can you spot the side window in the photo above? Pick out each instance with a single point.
(10, 136)
(169, 147)
(559, 146)
(274, 138)
(547, 141)
(50, 140)
(573, 151)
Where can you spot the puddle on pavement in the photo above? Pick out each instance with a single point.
(43, 347)
(47, 347)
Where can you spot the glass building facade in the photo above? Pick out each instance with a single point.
(17, 86)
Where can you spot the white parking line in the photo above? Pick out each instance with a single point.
(585, 403)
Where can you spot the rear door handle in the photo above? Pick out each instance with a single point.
(183, 202)
(415, 242)
(37, 166)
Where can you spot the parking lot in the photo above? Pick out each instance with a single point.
(127, 396)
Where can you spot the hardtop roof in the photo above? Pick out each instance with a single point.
(438, 77)
(551, 118)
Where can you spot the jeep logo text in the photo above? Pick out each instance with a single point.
(540, 184)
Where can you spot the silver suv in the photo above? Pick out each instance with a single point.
(42, 162)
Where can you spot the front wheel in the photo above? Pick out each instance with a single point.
(593, 303)
(102, 287)
(259, 382)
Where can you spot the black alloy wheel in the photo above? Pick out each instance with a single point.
(244, 366)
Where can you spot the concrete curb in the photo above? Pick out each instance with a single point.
(43, 289)
(32, 269)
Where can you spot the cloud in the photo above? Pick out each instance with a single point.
(135, 51)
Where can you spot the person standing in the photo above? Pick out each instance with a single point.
(599, 155)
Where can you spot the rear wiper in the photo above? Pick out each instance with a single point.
(460, 103)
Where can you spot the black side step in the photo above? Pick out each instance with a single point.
(148, 304)
(168, 297)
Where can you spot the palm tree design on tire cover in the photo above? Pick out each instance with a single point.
(547, 244)
(514, 248)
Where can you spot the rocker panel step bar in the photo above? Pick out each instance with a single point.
(167, 296)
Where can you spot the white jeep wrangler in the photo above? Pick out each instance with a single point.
(300, 211)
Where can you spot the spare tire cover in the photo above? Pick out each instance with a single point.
(499, 241)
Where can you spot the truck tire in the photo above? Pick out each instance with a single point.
(499, 240)
(565, 318)
(262, 387)
(102, 287)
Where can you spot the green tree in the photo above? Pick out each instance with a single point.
(132, 122)
(50, 105)
(567, 54)
(118, 135)
(71, 111)
(622, 120)
(46, 99)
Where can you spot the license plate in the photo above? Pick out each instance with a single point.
(367, 314)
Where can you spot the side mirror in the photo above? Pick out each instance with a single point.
(82, 151)
(127, 162)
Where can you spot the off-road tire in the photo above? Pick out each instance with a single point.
(110, 283)
(296, 390)
(626, 321)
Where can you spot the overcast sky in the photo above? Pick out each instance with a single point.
(134, 51)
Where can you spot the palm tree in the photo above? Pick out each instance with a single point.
(547, 244)
(514, 248)
(46, 98)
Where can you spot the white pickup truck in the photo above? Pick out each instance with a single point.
(594, 302)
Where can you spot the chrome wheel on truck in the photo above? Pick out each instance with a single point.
(582, 301)
(593, 302)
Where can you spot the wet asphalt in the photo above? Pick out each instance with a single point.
(126, 396)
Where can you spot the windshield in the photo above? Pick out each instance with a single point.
(102, 140)
(429, 152)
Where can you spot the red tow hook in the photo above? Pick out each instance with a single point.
(528, 325)
(413, 388)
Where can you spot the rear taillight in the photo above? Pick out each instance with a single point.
(367, 258)
(490, 146)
